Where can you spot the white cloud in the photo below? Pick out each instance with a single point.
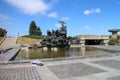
(87, 12)
(87, 27)
(53, 15)
(92, 11)
(30, 6)
(97, 10)
(65, 18)
(58, 25)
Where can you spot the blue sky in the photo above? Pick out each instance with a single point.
(93, 17)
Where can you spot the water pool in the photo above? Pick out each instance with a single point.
(39, 53)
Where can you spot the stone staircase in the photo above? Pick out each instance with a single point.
(8, 43)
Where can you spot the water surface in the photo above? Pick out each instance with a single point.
(39, 53)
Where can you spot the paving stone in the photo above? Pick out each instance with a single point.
(74, 70)
(114, 78)
(111, 48)
(109, 63)
(19, 73)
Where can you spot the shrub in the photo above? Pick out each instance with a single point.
(113, 41)
(118, 37)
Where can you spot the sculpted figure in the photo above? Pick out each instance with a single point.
(56, 38)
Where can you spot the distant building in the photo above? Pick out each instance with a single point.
(93, 39)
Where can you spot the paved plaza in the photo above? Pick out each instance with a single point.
(102, 68)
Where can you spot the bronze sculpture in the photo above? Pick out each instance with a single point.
(56, 38)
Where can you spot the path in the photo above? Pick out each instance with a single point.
(104, 68)
(8, 43)
(8, 49)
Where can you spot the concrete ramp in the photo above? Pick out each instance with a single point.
(8, 49)
(8, 43)
(10, 54)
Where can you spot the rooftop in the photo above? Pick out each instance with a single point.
(114, 30)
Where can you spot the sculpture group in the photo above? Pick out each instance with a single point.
(56, 38)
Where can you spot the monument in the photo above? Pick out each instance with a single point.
(114, 33)
(56, 38)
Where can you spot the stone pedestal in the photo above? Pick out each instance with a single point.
(45, 48)
(82, 42)
(54, 49)
(105, 42)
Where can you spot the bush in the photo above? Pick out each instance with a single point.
(118, 37)
(113, 41)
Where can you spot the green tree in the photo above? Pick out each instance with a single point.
(38, 31)
(34, 30)
(3, 32)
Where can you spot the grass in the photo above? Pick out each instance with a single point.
(33, 36)
(1, 38)
(26, 40)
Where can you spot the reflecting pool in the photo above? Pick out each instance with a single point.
(40, 53)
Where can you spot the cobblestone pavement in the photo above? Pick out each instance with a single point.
(102, 68)
(18, 72)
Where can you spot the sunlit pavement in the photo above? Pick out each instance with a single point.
(100, 68)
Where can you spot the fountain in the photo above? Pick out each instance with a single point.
(56, 38)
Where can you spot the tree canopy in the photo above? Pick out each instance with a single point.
(34, 29)
(3, 32)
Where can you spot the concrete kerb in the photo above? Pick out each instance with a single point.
(14, 62)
